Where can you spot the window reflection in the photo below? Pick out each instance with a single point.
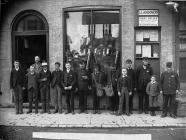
(94, 34)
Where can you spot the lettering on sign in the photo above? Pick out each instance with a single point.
(148, 12)
(148, 17)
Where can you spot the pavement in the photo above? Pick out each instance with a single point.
(103, 120)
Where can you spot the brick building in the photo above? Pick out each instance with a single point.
(58, 30)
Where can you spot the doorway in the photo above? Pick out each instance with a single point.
(29, 39)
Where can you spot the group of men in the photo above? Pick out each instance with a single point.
(39, 80)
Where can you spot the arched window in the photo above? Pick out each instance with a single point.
(30, 23)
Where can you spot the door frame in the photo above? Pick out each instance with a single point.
(14, 33)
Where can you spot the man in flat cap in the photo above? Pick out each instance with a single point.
(44, 77)
(169, 87)
(143, 75)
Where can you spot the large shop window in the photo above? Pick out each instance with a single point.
(93, 36)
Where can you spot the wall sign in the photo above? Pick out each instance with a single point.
(148, 12)
(148, 17)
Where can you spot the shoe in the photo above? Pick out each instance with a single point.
(42, 111)
(36, 112)
(60, 111)
(67, 112)
(128, 114)
(146, 112)
(80, 111)
(140, 112)
(98, 112)
(131, 112)
(55, 111)
(118, 114)
(86, 112)
(21, 112)
(48, 112)
(95, 111)
(173, 116)
(151, 113)
(163, 115)
(73, 112)
(29, 112)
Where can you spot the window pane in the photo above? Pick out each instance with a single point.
(30, 23)
(96, 32)
(78, 36)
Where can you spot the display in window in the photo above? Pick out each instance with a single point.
(94, 38)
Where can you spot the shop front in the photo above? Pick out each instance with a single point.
(100, 32)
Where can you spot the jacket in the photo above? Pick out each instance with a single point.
(31, 81)
(169, 82)
(143, 76)
(124, 82)
(83, 83)
(153, 89)
(42, 75)
(17, 78)
(56, 78)
(131, 74)
(69, 79)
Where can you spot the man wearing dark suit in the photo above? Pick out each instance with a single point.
(131, 75)
(143, 75)
(17, 84)
(56, 85)
(44, 78)
(31, 83)
(170, 86)
(83, 85)
(68, 83)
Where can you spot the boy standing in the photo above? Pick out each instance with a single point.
(44, 86)
(153, 90)
(131, 74)
(17, 84)
(56, 85)
(124, 91)
(31, 82)
(68, 83)
(169, 88)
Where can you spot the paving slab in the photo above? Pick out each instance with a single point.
(103, 120)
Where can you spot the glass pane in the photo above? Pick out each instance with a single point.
(93, 37)
(30, 23)
(78, 38)
(106, 44)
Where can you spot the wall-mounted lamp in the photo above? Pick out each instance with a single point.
(172, 4)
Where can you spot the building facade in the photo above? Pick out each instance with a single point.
(114, 30)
